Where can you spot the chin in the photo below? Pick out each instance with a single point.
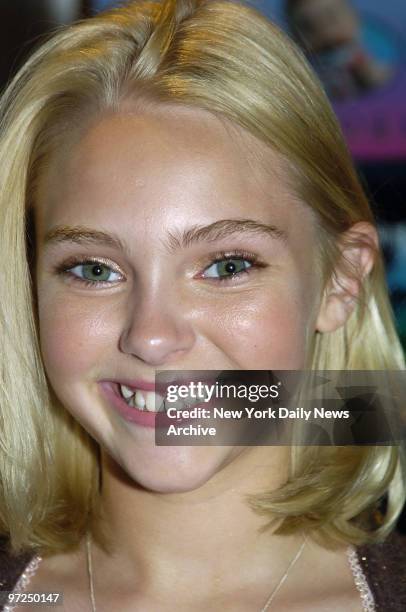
(177, 474)
(169, 485)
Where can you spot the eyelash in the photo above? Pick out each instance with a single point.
(66, 267)
(222, 256)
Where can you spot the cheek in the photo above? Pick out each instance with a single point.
(73, 338)
(274, 338)
(266, 332)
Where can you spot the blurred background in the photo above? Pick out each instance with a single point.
(358, 49)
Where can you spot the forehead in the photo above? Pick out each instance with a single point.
(167, 161)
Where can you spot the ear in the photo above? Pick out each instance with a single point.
(358, 248)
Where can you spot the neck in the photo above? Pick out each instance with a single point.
(206, 536)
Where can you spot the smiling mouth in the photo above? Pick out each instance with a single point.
(151, 401)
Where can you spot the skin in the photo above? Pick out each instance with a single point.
(142, 176)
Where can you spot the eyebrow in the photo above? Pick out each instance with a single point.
(218, 230)
(83, 236)
(222, 229)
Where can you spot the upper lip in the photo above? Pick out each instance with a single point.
(161, 388)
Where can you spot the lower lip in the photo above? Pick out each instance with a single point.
(134, 415)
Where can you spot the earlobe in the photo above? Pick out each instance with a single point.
(358, 247)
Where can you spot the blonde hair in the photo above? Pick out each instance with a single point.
(228, 59)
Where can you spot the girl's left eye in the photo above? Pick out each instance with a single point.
(227, 268)
(93, 272)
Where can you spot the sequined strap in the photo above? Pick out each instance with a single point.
(367, 599)
(24, 579)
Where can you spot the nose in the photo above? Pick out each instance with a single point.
(157, 332)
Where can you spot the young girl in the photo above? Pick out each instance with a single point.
(176, 195)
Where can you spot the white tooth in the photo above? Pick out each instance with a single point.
(150, 401)
(178, 405)
(132, 402)
(154, 402)
(126, 391)
(160, 402)
(189, 402)
(139, 400)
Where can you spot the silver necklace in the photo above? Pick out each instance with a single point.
(266, 606)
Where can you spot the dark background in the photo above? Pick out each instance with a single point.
(24, 23)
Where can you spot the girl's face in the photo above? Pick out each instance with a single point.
(163, 243)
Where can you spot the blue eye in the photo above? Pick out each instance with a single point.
(227, 268)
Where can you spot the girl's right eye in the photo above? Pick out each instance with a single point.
(90, 273)
(93, 271)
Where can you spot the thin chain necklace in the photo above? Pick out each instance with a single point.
(266, 606)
